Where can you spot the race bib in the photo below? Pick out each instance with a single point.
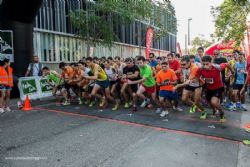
(209, 80)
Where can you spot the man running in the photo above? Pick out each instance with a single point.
(166, 79)
(191, 84)
(101, 82)
(147, 82)
(210, 74)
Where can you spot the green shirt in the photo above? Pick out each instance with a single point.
(146, 72)
(53, 77)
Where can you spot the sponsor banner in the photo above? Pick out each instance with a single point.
(149, 40)
(34, 87)
(6, 45)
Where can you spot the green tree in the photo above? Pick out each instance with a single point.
(96, 23)
(230, 19)
(197, 42)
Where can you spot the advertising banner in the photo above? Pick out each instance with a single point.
(149, 40)
(6, 45)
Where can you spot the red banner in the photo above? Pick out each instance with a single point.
(179, 48)
(149, 40)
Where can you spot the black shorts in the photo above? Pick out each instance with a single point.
(214, 93)
(238, 86)
(191, 88)
(134, 88)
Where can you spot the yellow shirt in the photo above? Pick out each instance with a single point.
(102, 76)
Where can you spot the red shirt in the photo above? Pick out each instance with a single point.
(212, 77)
(175, 65)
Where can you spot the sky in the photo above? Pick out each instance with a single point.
(202, 21)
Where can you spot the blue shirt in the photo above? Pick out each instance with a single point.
(240, 68)
(197, 59)
(153, 63)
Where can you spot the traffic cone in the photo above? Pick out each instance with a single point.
(27, 106)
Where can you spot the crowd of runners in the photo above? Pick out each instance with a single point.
(158, 82)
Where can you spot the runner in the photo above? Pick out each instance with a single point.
(240, 82)
(191, 84)
(210, 74)
(147, 82)
(166, 79)
(131, 72)
(54, 79)
(67, 75)
(101, 82)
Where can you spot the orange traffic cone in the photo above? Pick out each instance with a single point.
(27, 106)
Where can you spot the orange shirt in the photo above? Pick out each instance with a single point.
(168, 75)
(68, 72)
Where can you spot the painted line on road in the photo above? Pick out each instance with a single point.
(141, 125)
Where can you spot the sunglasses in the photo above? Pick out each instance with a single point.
(183, 64)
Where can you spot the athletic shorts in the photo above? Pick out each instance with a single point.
(238, 86)
(191, 88)
(4, 87)
(134, 88)
(214, 93)
(149, 90)
(103, 84)
(170, 95)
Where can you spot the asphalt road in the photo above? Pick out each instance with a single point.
(49, 139)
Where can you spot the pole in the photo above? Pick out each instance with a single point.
(185, 43)
(189, 33)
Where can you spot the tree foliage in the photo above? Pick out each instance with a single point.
(95, 24)
(197, 42)
(230, 19)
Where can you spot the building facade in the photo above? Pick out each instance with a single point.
(55, 37)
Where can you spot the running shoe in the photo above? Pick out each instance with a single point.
(144, 103)
(192, 109)
(92, 103)
(115, 107)
(246, 142)
(203, 115)
(243, 107)
(164, 113)
(102, 102)
(126, 105)
(66, 103)
(8, 109)
(1, 110)
(177, 109)
(87, 102)
(247, 130)
(80, 102)
(222, 119)
(158, 111)
(238, 105)
(229, 106)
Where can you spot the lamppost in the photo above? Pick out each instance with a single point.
(189, 33)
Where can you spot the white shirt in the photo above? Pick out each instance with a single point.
(35, 68)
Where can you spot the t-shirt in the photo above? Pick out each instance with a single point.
(175, 65)
(191, 75)
(146, 72)
(131, 70)
(35, 70)
(167, 76)
(212, 77)
(54, 78)
(102, 76)
(240, 76)
(153, 63)
(68, 73)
